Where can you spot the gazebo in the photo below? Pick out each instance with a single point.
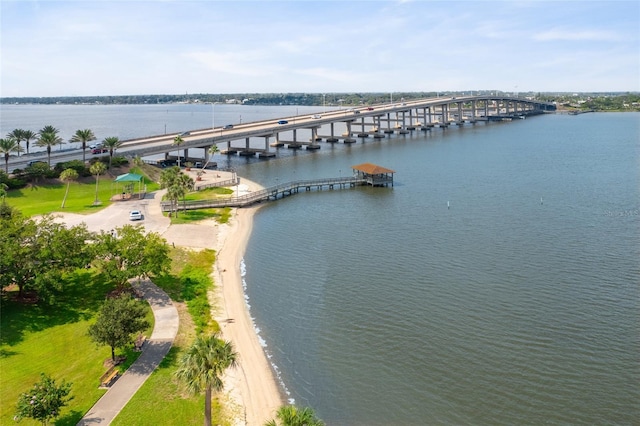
(373, 174)
(129, 179)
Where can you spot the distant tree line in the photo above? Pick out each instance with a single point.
(599, 101)
(311, 99)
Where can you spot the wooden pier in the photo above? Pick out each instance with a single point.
(364, 174)
(272, 193)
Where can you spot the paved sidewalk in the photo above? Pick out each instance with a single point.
(154, 351)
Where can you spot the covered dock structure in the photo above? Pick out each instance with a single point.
(373, 174)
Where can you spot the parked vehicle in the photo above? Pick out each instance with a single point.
(135, 215)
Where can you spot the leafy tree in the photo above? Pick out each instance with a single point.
(97, 169)
(83, 136)
(37, 171)
(130, 253)
(3, 192)
(202, 366)
(111, 143)
(34, 255)
(7, 146)
(44, 401)
(77, 165)
(290, 415)
(48, 138)
(177, 141)
(67, 176)
(119, 319)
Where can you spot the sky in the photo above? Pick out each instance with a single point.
(120, 47)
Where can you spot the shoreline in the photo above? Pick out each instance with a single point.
(252, 393)
(252, 385)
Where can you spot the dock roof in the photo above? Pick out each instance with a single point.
(372, 169)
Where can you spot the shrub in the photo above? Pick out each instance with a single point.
(12, 182)
(76, 165)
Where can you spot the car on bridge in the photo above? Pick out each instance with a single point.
(316, 116)
(369, 108)
(283, 122)
(228, 126)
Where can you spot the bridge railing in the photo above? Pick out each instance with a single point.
(224, 183)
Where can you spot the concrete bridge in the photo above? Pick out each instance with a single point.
(343, 124)
(339, 125)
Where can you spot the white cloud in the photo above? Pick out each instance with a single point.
(129, 47)
(577, 35)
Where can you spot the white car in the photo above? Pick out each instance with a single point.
(316, 116)
(135, 215)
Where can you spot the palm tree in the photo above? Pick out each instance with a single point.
(169, 179)
(202, 366)
(48, 138)
(178, 185)
(27, 135)
(174, 193)
(17, 134)
(111, 143)
(290, 415)
(97, 169)
(212, 150)
(177, 141)
(7, 146)
(68, 175)
(186, 184)
(83, 136)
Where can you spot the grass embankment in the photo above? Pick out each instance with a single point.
(220, 215)
(54, 339)
(162, 399)
(47, 197)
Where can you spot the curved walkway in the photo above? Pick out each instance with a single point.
(154, 351)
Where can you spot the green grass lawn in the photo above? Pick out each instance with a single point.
(162, 399)
(47, 198)
(53, 339)
(221, 215)
(209, 194)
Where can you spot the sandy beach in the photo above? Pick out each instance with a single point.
(252, 386)
(252, 392)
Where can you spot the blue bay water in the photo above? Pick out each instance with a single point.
(496, 283)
